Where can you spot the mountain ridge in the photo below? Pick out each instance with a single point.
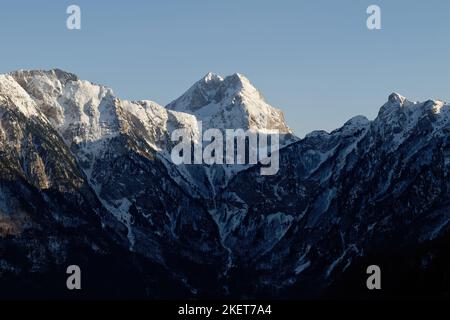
(86, 174)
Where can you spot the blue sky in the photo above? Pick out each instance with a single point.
(316, 60)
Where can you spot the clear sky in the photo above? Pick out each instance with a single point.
(315, 60)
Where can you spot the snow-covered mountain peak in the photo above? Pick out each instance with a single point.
(238, 85)
(396, 98)
(439, 106)
(393, 107)
(238, 81)
(351, 128)
(78, 109)
(230, 102)
(84, 112)
(355, 124)
(13, 95)
(57, 74)
(212, 77)
(399, 106)
(200, 94)
(213, 88)
(357, 121)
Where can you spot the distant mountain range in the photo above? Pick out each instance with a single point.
(86, 179)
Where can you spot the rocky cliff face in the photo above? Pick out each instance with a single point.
(86, 178)
(231, 102)
(366, 188)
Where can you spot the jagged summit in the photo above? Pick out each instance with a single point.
(351, 127)
(396, 98)
(357, 120)
(219, 102)
(230, 102)
(59, 74)
(212, 88)
(397, 114)
(236, 78)
(239, 81)
(398, 107)
(211, 77)
(355, 124)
